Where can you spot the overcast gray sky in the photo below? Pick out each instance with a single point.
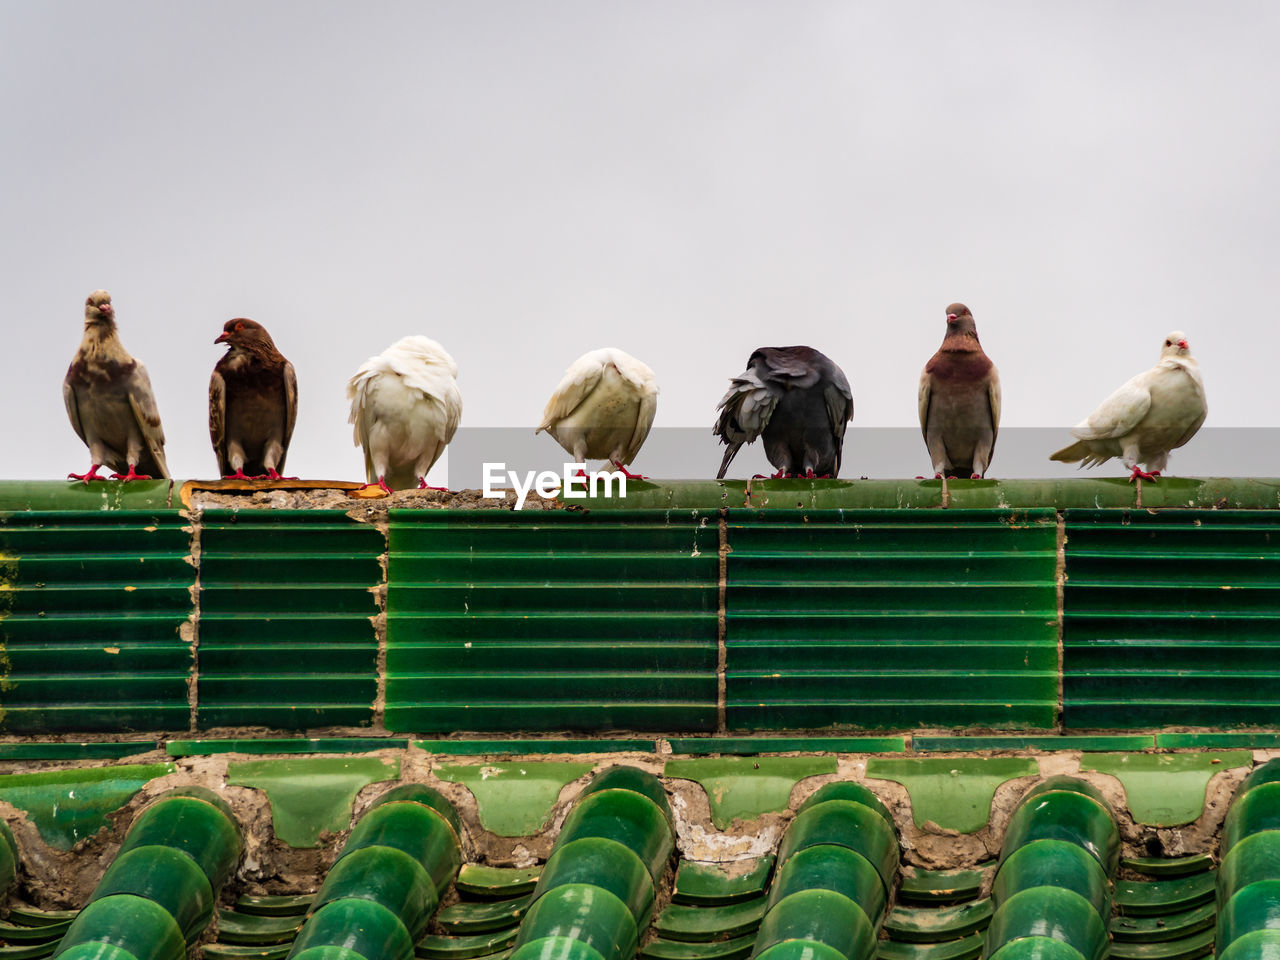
(524, 181)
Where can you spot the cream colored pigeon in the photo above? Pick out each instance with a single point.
(1155, 412)
(110, 403)
(406, 407)
(959, 401)
(603, 408)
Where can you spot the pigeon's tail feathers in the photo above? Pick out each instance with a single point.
(745, 409)
(1080, 451)
(729, 454)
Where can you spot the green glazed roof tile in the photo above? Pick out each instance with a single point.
(190, 748)
(477, 748)
(1168, 866)
(251, 929)
(739, 948)
(1195, 945)
(464, 918)
(1139, 898)
(242, 951)
(31, 917)
(937, 924)
(438, 947)
(1034, 741)
(752, 745)
(17, 933)
(497, 882)
(953, 793)
(715, 884)
(28, 750)
(966, 948)
(1165, 789)
(275, 905)
(514, 799)
(28, 951)
(69, 805)
(310, 795)
(1170, 926)
(704, 924)
(1218, 740)
(941, 886)
(743, 788)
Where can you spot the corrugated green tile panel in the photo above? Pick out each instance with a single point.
(286, 635)
(1171, 618)
(891, 618)
(551, 621)
(92, 610)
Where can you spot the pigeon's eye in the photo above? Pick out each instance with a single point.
(1167, 343)
(240, 326)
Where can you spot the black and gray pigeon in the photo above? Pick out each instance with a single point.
(110, 403)
(959, 401)
(798, 400)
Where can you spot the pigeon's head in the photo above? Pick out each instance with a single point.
(244, 332)
(98, 309)
(1175, 345)
(960, 321)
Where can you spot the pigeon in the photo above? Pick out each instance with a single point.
(603, 408)
(798, 400)
(110, 403)
(959, 401)
(1155, 412)
(253, 403)
(405, 406)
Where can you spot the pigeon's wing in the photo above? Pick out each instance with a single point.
(839, 400)
(218, 420)
(290, 411)
(579, 380)
(452, 399)
(924, 393)
(143, 404)
(73, 407)
(993, 397)
(744, 413)
(644, 423)
(1119, 413)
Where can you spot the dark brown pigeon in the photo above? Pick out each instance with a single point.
(253, 403)
(798, 400)
(959, 401)
(110, 403)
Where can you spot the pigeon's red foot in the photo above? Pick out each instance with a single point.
(1143, 474)
(382, 484)
(86, 477)
(273, 474)
(975, 476)
(423, 485)
(781, 475)
(238, 475)
(937, 476)
(810, 475)
(950, 477)
(627, 473)
(126, 477)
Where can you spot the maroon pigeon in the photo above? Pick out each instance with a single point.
(253, 403)
(959, 401)
(110, 403)
(798, 400)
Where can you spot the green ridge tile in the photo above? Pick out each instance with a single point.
(936, 924)
(966, 948)
(739, 948)
(1168, 866)
(1196, 945)
(478, 748)
(1217, 740)
(1139, 898)
(704, 924)
(69, 805)
(465, 918)
(941, 886)
(701, 746)
(191, 748)
(76, 751)
(716, 884)
(437, 947)
(514, 799)
(1033, 741)
(953, 793)
(743, 788)
(1169, 926)
(310, 795)
(253, 930)
(496, 882)
(1165, 789)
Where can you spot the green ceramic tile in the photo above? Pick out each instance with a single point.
(739, 948)
(514, 799)
(1170, 926)
(255, 930)
(436, 947)
(190, 748)
(743, 788)
(1139, 898)
(76, 751)
(1186, 948)
(701, 746)
(941, 886)
(239, 951)
(715, 884)
(936, 924)
(69, 805)
(310, 795)
(17, 933)
(1217, 741)
(470, 917)
(1033, 741)
(31, 917)
(1165, 789)
(275, 905)
(1168, 866)
(966, 948)
(953, 793)
(704, 924)
(29, 951)
(496, 882)
(480, 748)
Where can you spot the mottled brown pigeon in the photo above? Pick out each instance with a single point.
(798, 400)
(959, 401)
(253, 403)
(110, 403)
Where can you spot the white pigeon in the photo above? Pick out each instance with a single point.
(1155, 412)
(603, 409)
(406, 407)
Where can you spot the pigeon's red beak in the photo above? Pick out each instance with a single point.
(951, 317)
(223, 337)
(1182, 344)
